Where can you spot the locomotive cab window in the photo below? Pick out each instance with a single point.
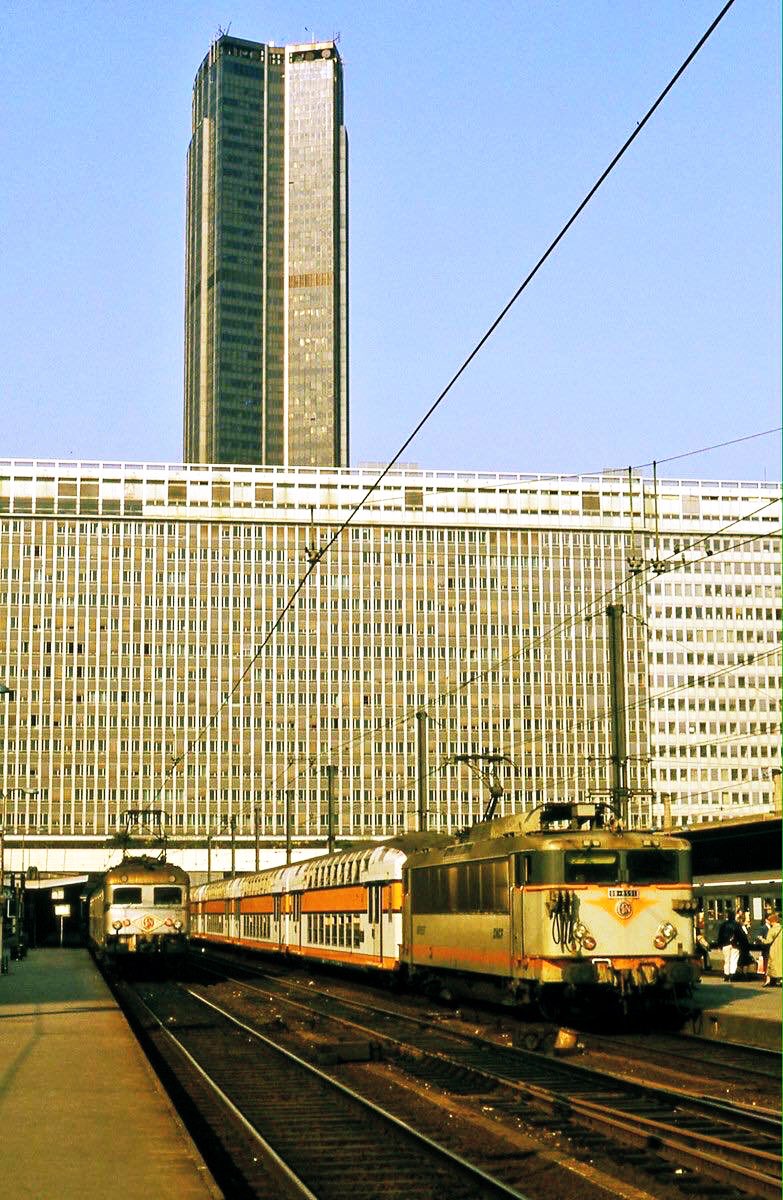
(589, 866)
(126, 895)
(522, 869)
(655, 866)
(167, 895)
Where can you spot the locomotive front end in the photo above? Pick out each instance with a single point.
(612, 911)
(145, 909)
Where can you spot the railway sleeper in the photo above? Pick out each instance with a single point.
(696, 1185)
(637, 1158)
(547, 1121)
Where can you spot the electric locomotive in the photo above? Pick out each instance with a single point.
(141, 907)
(549, 914)
(513, 910)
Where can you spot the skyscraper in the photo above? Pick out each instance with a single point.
(266, 304)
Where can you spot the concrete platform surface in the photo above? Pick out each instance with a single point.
(743, 1012)
(81, 1113)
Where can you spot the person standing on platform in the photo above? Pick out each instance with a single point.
(701, 943)
(759, 940)
(727, 942)
(744, 959)
(774, 946)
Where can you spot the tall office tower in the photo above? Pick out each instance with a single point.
(266, 304)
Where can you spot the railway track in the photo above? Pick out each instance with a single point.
(682, 1139)
(701, 1059)
(286, 1128)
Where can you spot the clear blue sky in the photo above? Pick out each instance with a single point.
(475, 129)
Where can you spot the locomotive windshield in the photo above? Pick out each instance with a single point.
(627, 866)
(591, 866)
(126, 895)
(653, 866)
(167, 895)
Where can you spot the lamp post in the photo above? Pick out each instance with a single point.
(230, 824)
(289, 804)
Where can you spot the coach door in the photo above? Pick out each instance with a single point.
(375, 919)
(295, 922)
(278, 933)
(233, 917)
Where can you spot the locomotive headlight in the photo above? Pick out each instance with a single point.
(666, 933)
(583, 938)
(177, 924)
(116, 924)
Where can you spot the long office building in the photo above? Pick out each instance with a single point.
(266, 307)
(157, 659)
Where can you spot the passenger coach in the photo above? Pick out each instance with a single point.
(342, 908)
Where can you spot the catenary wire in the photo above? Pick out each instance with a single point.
(706, 449)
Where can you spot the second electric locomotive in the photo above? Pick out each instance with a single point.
(140, 908)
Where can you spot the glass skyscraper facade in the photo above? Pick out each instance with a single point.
(266, 307)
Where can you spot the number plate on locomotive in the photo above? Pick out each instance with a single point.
(623, 893)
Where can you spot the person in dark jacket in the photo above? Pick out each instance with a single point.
(728, 937)
(742, 939)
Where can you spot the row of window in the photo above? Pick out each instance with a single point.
(472, 887)
(483, 887)
(162, 896)
(321, 929)
(335, 929)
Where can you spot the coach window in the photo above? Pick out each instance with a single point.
(167, 895)
(655, 866)
(591, 867)
(126, 895)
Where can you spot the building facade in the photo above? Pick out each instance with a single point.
(266, 291)
(156, 659)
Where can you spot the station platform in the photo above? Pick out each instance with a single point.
(745, 1012)
(82, 1114)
